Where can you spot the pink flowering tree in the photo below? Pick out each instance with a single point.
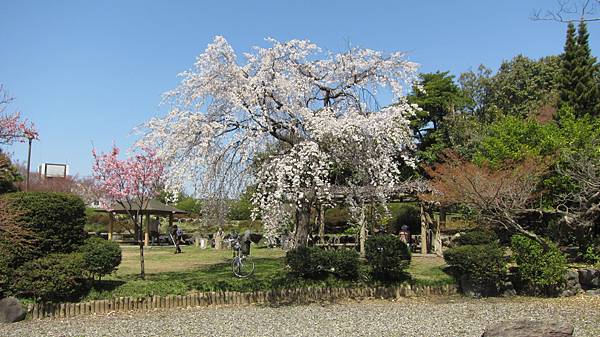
(12, 126)
(130, 183)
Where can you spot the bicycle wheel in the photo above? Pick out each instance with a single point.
(242, 266)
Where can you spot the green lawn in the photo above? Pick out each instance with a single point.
(209, 270)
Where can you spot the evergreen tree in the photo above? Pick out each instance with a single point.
(439, 97)
(579, 83)
(587, 100)
(568, 81)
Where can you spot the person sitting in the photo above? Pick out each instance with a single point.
(404, 235)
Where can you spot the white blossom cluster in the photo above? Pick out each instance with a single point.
(315, 108)
(370, 145)
(298, 177)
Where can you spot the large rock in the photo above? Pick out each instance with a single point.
(524, 328)
(471, 289)
(595, 292)
(11, 310)
(572, 285)
(589, 278)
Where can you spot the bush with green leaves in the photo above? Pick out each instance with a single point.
(100, 257)
(343, 263)
(484, 265)
(5, 277)
(57, 220)
(388, 256)
(53, 278)
(541, 269)
(314, 262)
(476, 237)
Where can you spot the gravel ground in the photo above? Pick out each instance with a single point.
(444, 316)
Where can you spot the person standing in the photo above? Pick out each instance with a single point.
(177, 235)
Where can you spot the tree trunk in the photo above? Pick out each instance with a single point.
(302, 225)
(138, 225)
(443, 217)
(363, 238)
(423, 231)
(437, 237)
(321, 223)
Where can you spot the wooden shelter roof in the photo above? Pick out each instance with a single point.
(152, 207)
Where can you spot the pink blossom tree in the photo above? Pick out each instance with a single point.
(130, 183)
(12, 126)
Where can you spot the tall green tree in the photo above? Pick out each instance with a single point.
(522, 86)
(568, 80)
(438, 96)
(579, 77)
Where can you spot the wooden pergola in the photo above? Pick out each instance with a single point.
(150, 208)
(408, 190)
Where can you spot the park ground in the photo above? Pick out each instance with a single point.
(433, 316)
(209, 270)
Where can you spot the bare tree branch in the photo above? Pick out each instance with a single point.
(570, 11)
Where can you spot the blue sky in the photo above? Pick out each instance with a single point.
(89, 72)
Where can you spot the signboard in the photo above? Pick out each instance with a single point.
(48, 170)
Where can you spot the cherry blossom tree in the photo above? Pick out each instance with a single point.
(284, 117)
(130, 183)
(12, 126)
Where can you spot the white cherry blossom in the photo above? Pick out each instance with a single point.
(284, 117)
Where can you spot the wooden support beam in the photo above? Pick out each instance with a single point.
(147, 231)
(436, 241)
(423, 230)
(110, 226)
(321, 223)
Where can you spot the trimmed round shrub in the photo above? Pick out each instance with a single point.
(541, 268)
(343, 263)
(57, 220)
(388, 256)
(314, 262)
(53, 278)
(483, 265)
(305, 261)
(476, 237)
(100, 257)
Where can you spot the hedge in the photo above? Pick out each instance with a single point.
(388, 256)
(541, 269)
(57, 219)
(314, 263)
(100, 257)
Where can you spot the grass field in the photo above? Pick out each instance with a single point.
(209, 270)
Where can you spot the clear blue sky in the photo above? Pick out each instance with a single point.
(88, 71)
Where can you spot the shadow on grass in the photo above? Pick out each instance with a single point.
(270, 273)
(107, 285)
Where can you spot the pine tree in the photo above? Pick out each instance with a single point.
(568, 81)
(579, 87)
(587, 99)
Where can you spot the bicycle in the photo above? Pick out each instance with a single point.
(242, 264)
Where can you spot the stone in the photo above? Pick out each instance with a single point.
(469, 288)
(525, 328)
(595, 292)
(11, 310)
(572, 285)
(508, 289)
(589, 278)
